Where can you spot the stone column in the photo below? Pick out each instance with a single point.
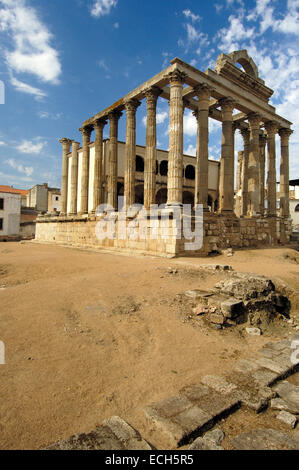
(203, 94)
(175, 158)
(98, 163)
(262, 173)
(226, 190)
(253, 165)
(284, 172)
(74, 178)
(151, 147)
(271, 129)
(238, 202)
(66, 146)
(113, 155)
(130, 153)
(86, 131)
(244, 175)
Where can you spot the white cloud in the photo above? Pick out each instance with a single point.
(102, 7)
(27, 170)
(190, 124)
(47, 115)
(24, 88)
(116, 25)
(161, 116)
(230, 37)
(2, 143)
(192, 16)
(32, 51)
(191, 150)
(28, 146)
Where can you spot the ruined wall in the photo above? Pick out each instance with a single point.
(219, 232)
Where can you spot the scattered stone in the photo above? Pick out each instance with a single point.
(114, 434)
(265, 439)
(204, 444)
(232, 308)
(228, 252)
(218, 319)
(279, 404)
(216, 436)
(198, 294)
(253, 331)
(171, 270)
(199, 310)
(287, 418)
(290, 394)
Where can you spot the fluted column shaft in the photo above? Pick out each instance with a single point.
(86, 131)
(253, 165)
(284, 172)
(113, 155)
(98, 164)
(203, 94)
(130, 152)
(151, 147)
(262, 173)
(74, 178)
(271, 129)
(244, 175)
(226, 190)
(66, 145)
(175, 158)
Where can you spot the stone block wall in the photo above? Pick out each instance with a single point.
(219, 232)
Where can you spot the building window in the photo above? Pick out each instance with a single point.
(297, 208)
(139, 164)
(1, 204)
(57, 198)
(1, 224)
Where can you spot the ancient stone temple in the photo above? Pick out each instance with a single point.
(238, 199)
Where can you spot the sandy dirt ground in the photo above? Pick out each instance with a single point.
(90, 335)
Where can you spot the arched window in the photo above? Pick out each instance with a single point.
(297, 208)
(139, 164)
(164, 168)
(161, 196)
(190, 172)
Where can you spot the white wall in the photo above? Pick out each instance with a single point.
(10, 214)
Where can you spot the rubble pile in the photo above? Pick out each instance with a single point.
(243, 298)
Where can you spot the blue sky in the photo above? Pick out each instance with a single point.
(62, 61)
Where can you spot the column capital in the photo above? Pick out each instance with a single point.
(246, 135)
(227, 104)
(66, 144)
(202, 91)
(115, 115)
(132, 105)
(152, 93)
(75, 144)
(271, 128)
(86, 131)
(99, 124)
(285, 133)
(254, 120)
(176, 77)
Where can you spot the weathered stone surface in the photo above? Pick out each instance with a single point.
(253, 331)
(198, 294)
(247, 287)
(290, 394)
(219, 384)
(265, 439)
(287, 418)
(244, 366)
(216, 318)
(279, 404)
(114, 434)
(264, 377)
(216, 436)
(232, 308)
(204, 444)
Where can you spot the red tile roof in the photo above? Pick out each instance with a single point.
(10, 189)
